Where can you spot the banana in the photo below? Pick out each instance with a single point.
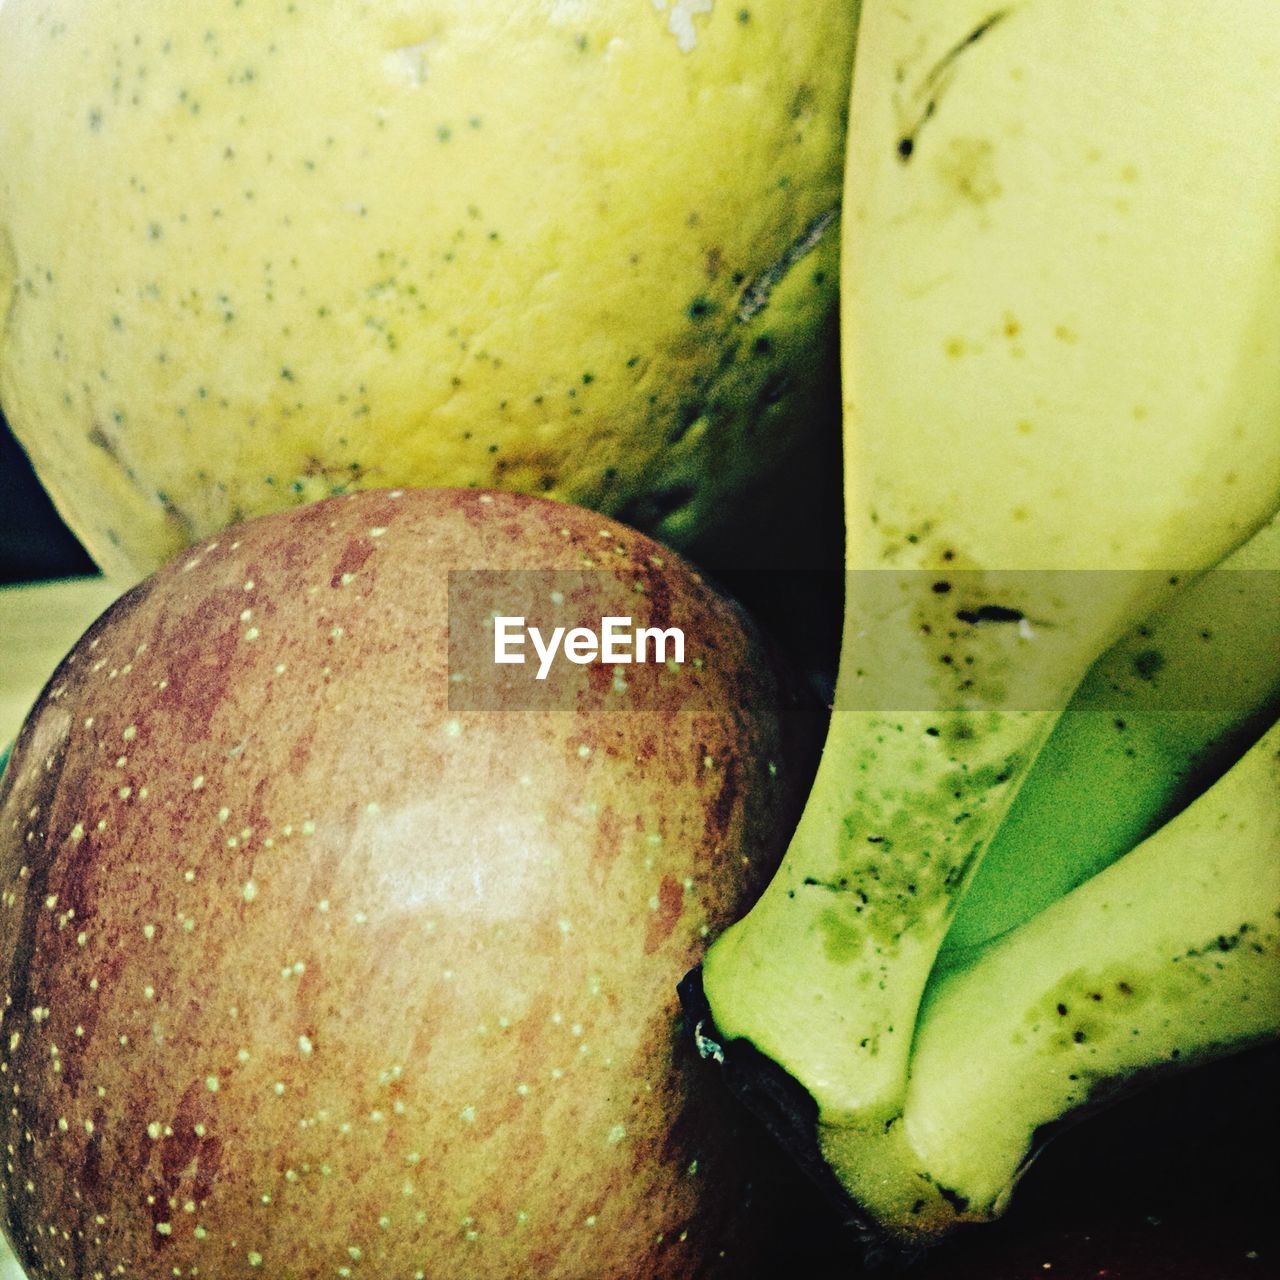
(1166, 958)
(1160, 715)
(1061, 307)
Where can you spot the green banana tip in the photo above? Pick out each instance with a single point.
(789, 1114)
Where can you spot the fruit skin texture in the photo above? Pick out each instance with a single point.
(294, 249)
(1167, 957)
(304, 966)
(1159, 716)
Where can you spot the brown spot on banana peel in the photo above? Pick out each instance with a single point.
(935, 83)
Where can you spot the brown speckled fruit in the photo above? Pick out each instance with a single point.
(310, 973)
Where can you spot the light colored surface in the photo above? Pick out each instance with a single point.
(9, 1269)
(38, 625)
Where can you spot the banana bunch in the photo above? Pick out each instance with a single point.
(1061, 319)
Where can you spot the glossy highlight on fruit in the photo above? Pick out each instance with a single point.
(310, 972)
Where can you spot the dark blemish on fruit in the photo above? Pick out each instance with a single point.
(938, 81)
(990, 613)
(1148, 664)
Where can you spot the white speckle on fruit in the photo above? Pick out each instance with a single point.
(408, 64)
(211, 1083)
(250, 891)
(305, 1047)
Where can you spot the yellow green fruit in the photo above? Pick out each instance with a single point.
(254, 254)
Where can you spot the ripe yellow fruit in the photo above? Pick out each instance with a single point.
(258, 253)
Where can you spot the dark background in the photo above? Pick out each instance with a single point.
(34, 543)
